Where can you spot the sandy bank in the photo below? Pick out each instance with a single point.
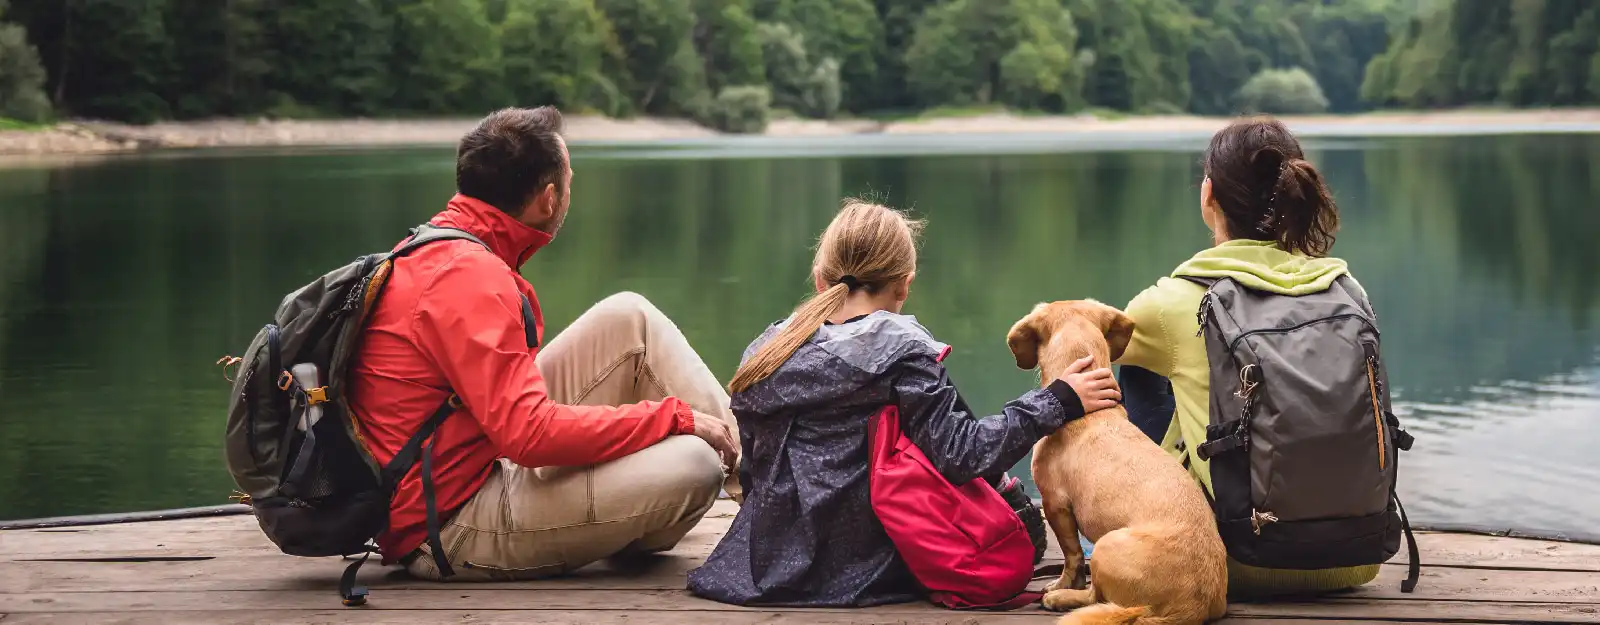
(86, 137)
(1386, 123)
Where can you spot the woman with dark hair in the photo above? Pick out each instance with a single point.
(1273, 221)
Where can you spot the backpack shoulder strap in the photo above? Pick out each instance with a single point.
(428, 233)
(1354, 291)
(1203, 282)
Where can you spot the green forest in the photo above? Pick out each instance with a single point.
(735, 64)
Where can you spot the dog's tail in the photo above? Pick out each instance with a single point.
(1106, 614)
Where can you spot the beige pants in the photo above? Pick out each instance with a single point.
(533, 522)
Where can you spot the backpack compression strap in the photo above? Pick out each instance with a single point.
(392, 472)
(1414, 566)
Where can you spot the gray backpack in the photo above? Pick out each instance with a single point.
(1302, 442)
(291, 441)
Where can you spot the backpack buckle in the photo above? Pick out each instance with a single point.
(1403, 439)
(316, 395)
(284, 380)
(454, 401)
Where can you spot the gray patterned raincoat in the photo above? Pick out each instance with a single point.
(806, 534)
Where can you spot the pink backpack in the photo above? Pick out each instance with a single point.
(962, 543)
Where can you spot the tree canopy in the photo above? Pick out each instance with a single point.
(1509, 52)
(146, 60)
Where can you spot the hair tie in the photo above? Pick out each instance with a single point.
(850, 282)
(1272, 201)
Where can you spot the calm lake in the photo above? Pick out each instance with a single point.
(123, 281)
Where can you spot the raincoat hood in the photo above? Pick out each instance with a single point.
(811, 376)
(1262, 266)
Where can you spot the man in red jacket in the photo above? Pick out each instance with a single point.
(613, 438)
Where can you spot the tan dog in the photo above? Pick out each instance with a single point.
(1157, 556)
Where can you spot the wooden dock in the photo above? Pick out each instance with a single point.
(222, 570)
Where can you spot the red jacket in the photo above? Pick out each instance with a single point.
(450, 318)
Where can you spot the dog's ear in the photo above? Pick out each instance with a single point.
(1023, 339)
(1119, 331)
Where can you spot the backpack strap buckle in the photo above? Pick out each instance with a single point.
(318, 395)
(1212, 449)
(1402, 439)
(1237, 437)
(284, 380)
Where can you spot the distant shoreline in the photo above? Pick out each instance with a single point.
(95, 138)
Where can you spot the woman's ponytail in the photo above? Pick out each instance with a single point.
(1302, 214)
(777, 350)
(1267, 190)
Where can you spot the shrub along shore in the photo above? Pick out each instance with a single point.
(84, 137)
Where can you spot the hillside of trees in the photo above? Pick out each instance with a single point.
(731, 63)
(1512, 52)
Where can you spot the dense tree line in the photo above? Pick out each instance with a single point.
(729, 62)
(1514, 52)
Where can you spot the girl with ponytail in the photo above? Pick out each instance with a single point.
(806, 534)
(1272, 221)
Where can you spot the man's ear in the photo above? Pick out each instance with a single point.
(1023, 339)
(542, 208)
(1119, 331)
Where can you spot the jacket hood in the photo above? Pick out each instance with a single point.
(513, 241)
(839, 364)
(1262, 266)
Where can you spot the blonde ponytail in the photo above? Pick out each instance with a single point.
(777, 350)
(868, 246)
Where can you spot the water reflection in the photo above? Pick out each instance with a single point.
(124, 280)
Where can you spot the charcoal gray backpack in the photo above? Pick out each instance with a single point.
(292, 445)
(1302, 442)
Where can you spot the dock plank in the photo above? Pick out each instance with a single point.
(216, 536)
(496, 617)
(671, 606)
(606, 617)
(222, 570)
(1475, 550)
(237, 573)
(1423, 611)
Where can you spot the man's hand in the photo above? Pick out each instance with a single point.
(1096, 389)
(713, 431)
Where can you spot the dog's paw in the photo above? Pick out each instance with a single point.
(1080, 580)
(1064, 600)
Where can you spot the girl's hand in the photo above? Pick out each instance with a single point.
(1096, 389)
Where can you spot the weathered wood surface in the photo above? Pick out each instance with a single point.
(222, 570)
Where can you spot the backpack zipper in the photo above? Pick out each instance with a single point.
(1377, 413)
(1204, 314)
(1234, 344)
(1260, 518)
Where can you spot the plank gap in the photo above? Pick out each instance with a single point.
(1385, 619)
(1487, 567)
(123, 559)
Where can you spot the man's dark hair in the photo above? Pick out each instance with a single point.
(510, 156)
